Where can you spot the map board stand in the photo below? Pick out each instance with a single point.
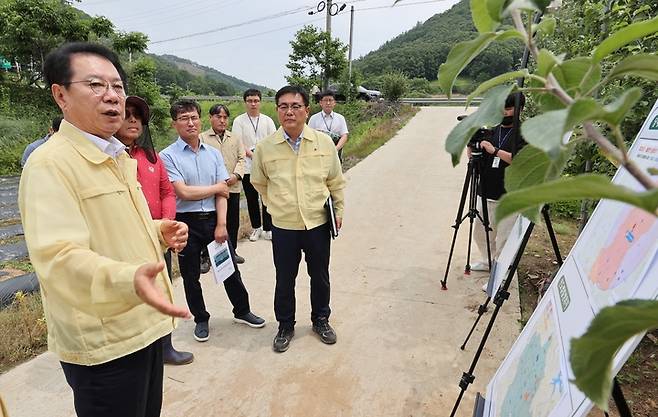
(620, 400)
(499, 299)
(483, 308)
(478, 408)
(472, 185)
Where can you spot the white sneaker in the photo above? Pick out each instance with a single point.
(480, 266)
(255, 234)
(267, 235)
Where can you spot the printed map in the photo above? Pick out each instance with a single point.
(534, 383)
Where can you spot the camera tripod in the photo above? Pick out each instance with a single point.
(472, 185)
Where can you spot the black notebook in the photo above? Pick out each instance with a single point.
(331, 217)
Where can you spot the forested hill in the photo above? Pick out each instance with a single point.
(419, 51)
(187, 74)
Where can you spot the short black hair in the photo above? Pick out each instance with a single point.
(182, 106)
(292, 89)
(327, 93)
(57, 65)
(252, 92)
(57, 121)
(510, 101)
(217, 108)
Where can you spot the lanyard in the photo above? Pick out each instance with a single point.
(502, 142)
(325, 122)
(256, 125)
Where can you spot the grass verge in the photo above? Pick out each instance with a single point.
(23, 329)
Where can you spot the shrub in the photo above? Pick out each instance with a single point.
(14, 137)
(394, 85)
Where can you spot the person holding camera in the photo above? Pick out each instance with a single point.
(497, 154)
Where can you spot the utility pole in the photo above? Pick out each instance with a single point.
(349, 54)
(325, 83)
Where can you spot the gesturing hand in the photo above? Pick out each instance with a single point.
(146, 289)
(175, 234)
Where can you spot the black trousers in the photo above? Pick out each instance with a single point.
(254, 207)
(201, 233)
(233, 218)
(287, 248)
(129, 386)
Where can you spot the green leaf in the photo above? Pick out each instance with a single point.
(495, 9)
(520, 5)
(641, 65)
(485, 86)
(481, 19)
(587, 186)
(624, 37)
(464, 52)
(545, 62)
(593, 353)
(587, 109)
(574, 75)
(615, 112)
(490, 113)
(546, 130)
(545, 27)
(532, 167)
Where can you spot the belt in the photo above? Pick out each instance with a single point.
(197, 215)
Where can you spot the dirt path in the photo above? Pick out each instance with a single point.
(398, 333)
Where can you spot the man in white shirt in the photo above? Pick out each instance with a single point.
(252, 127)
(330, 122)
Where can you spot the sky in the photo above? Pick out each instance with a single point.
(250, 39)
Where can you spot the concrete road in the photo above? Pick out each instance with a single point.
(398, 333)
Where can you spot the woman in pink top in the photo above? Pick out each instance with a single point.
(157, 189)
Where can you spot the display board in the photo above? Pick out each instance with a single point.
(501, 266)
(613, 260)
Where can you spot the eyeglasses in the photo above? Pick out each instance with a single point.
(254, 101)
(188, 119)
(327, 100)
(101, 87)
(286, 107)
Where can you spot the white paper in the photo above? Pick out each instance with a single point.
(220, 258)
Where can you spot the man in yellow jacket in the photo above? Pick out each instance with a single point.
(92, 242)
(295, 170)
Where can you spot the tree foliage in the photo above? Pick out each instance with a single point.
(313, 52)
(394, 85)
(418, 52)
(31, 28)
(130, 42)
(592, 84)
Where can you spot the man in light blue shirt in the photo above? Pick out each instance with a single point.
(32, 146)
(199, 176)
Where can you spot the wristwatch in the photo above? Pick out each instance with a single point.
(237, 176)
(496, 151)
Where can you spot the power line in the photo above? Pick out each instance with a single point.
(248, 36)
(165, 11)
(398, 5)
(257, 20)
(289, 26)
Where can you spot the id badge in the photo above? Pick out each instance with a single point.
(496, 162)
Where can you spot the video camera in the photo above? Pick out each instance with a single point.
(481, 134)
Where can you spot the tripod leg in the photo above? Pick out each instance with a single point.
(499, 300)
(458, 220)
(485, 221)
(481, 310)
(551, 233)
